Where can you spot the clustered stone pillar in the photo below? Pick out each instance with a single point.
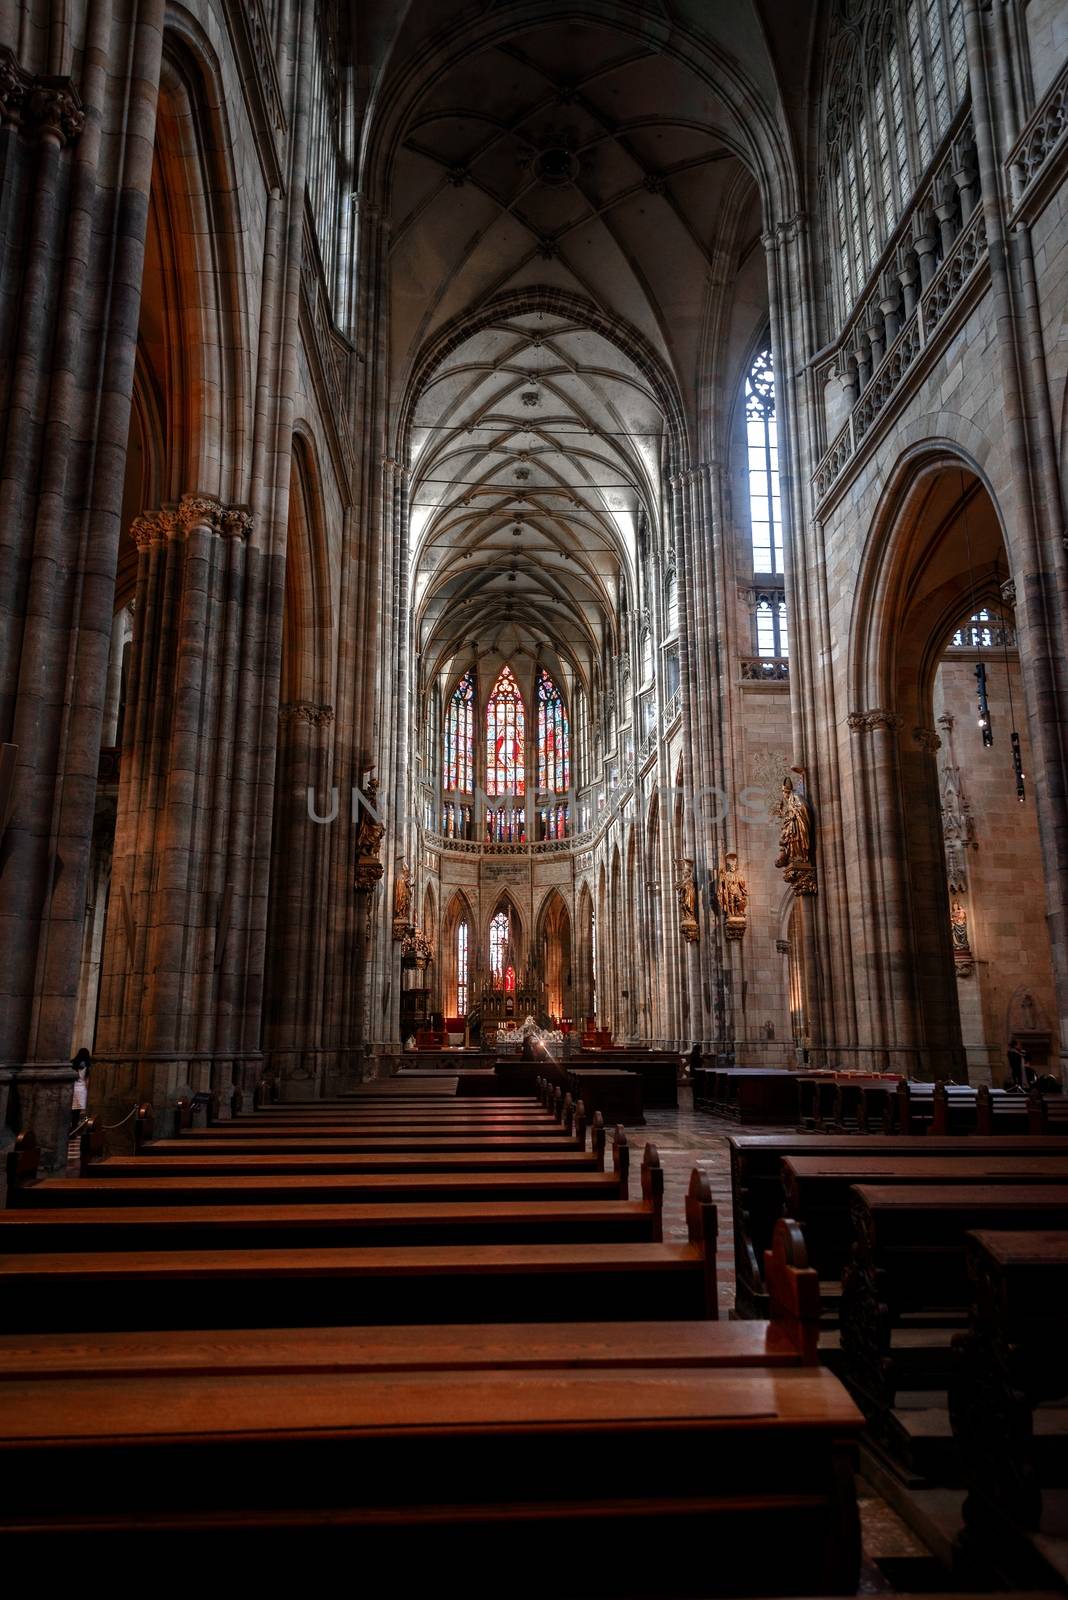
(182, 832)
(75, 171)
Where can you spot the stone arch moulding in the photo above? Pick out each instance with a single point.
(308, 583)
(886, 550)
(206, 232)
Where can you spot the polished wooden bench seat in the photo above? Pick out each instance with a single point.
(752, 1491)
(258, 1181)
(252, 1226)
(322, 1287)
(787, 1339)
(907, 1274)
(817, 1189)
(757, 1193)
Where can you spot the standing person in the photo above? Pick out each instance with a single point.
(1016, 1062)
(695, 1059)
(80, 1098)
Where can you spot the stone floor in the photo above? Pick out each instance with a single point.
(894, 1559)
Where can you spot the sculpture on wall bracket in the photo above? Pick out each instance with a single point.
(402, 900)
(733, 897)
(686, 890)
(795, 839)
(369, 867)
(416, 949)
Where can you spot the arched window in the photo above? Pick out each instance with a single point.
(463, 934)
(671, 603)
(772, 637)
(460, 736)
(502, 958)
(582, 727)
(763, 444)
(647, 656)
(505, 737)
(554, 743)
(897, 73)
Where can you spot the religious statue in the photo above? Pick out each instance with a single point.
(962, 950)
(733, 896)
(416, 949)
(371, 832)
(686, 890)
(795, 839)
(402, 899)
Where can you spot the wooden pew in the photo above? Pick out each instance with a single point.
(481, 1283)
(788, 1338)
(1046, 1113)
(817, 1190)
(905, 1287)
(738, 1454)
(292, 1227)
(1009, 1361)
(756, 1183)
(254, 1186)
(748, 1094)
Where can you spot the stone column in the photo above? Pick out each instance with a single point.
(75, 159)
(180, 839)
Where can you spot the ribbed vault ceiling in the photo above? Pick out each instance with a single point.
(565, 157)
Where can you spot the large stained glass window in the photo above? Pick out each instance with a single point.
(554, 744)
(502, 959)
(762, 437)
(463, 933)
(460, 736)
(505, 735)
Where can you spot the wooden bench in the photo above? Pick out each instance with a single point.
(1008, 1363)
(757, 1194)
(817, 1190)
(1047, 1113)
(481, 1283)
(788, 1338)
(750, 1095)
(757, 1467)
(251, 1185)
(905, 1287)
(317, 1226)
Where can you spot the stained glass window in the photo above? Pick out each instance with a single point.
(772, 638)
(502, 960)
(762, 438)
(672, 603)
(505, 736)
(553, 821)
(554, 745)
(460, 736)
(506, 825)
(462, 938)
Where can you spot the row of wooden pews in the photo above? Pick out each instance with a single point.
(943, 1270)
(437, 1334)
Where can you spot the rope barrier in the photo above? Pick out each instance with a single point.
(109, 1127)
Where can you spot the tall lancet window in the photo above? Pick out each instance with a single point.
(463, 933)
(554, 742)
(460, 736)
(502, 958)
(505, 736)
(763, 442)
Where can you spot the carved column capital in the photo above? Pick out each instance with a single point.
(43, 105)
(317, 716)
(927, 739)
(236, 522)
(196, 511)
(869, 721)
(147, 529)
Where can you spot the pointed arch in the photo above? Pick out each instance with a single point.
(456, 956)
(584, 957)
(555, 955)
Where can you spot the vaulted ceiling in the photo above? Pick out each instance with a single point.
(589, 186)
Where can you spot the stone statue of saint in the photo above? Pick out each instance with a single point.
(402, 894)
(958, 921)
(733, 889)
(795, 834)
(686, 889)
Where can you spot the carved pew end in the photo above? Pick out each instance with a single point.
(652, 1176)
(621, 1160)
(23, 1162)
(144, 1128)
(793, 1289)
(90, 1146)
(702, 1225)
